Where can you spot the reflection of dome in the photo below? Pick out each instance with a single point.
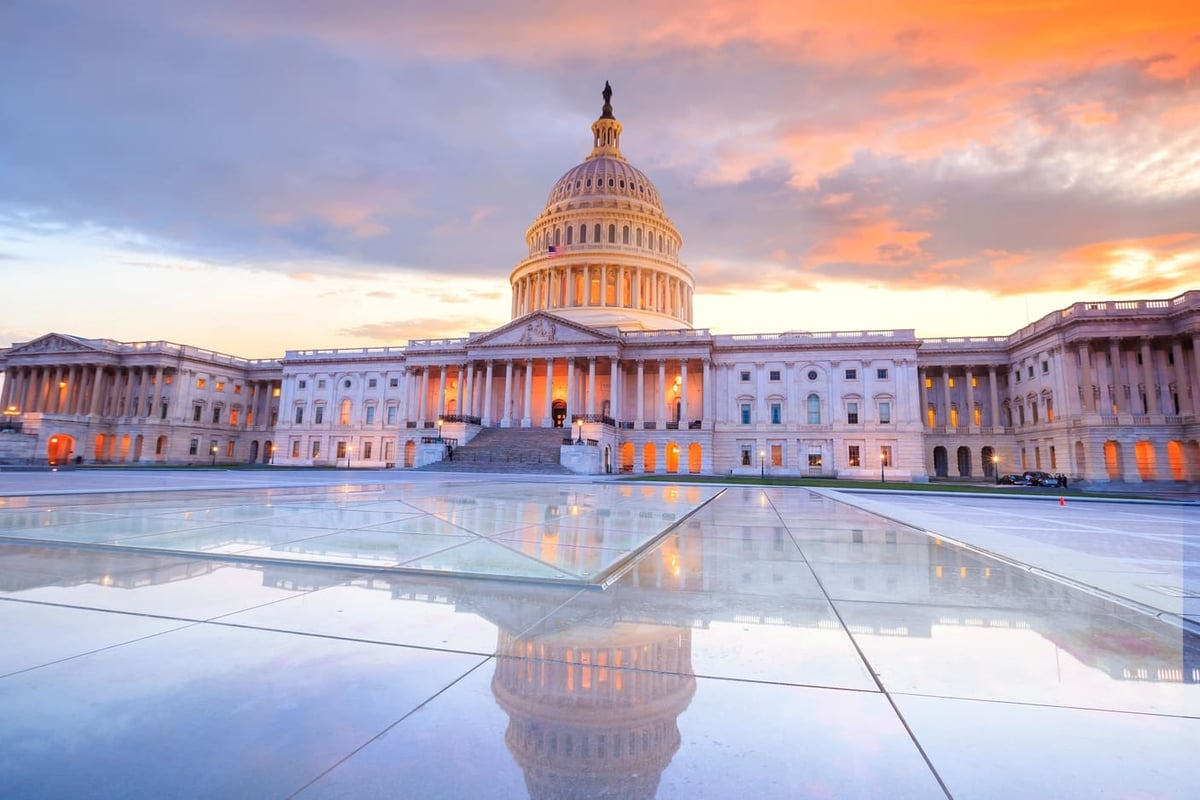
(603, 252)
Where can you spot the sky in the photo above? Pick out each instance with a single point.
(255, 176)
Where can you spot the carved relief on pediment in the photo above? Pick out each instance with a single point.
(51, 344)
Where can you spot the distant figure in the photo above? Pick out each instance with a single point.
(1065, 481)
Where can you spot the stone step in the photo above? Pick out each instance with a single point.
(515, 450)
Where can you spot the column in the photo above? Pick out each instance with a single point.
(1118, 376)
(1181, 381)
(995, 398)
(1148, 375)
(506, 412)
(527, 411)
(662, 391)
(591, 386)
(614, 390)
(459, 389)
(683, 392)
(10, 385)
(546, 420)
(485, 417)
(635, 294)
(1085, 364)
(603, 286)
(1196, 373)
(422, 400)
(706, 388)
(641, 393)
(572, 393)
(924, 411)
(470, 390)
(971, 400)
(441, 398)
(946, 396)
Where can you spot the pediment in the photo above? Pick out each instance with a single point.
(53, 343)
(539, 329)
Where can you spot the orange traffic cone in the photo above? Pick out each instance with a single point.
(1062, 501)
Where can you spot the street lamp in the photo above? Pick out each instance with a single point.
(762, 463)
(271, 453)
(213, 451)
(440, 421)
(349, 450)
(579, 438)
(996, 468)
(882, 462)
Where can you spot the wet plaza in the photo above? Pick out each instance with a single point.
(319, 634)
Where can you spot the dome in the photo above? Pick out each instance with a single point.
(605, 177)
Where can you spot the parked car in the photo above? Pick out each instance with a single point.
(1039, 478)
(1013, 480)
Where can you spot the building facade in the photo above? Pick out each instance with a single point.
(602, 342)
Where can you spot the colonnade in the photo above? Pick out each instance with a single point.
(602, 286)
(501, 391)
(938, 397)
(85, 390)
(1138, 376)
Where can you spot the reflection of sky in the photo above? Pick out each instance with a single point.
(932, 170)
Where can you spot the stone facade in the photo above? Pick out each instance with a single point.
(602, 341)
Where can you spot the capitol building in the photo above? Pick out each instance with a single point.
(603, 370)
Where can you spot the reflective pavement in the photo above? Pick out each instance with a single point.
(773, 643)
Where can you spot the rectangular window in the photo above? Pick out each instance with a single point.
(201, 383)
(216, 417)
(745, 456)
(885, 413)
(953, 417)
(851, 374)
(371, 383)
(299, 414)
(233, 416)
(394, 383)
(370, 415)
(197, 410)
(341, 450)
(344, 413)
(929, 383)
(316, 448)
(249, 418)
(366, 449)
(168, 379)
(229, 449)
(978, 416)
(237, 388)
(950, 382)
(321, 384)
(1045, 367)
(193, 447)
(1053, 458)
(974, 383)
(1031, 371)
(162, 410)
(302, 384)
(885, 455)
(814, 458)
(854, 456)
(776, 413)
(776, 455)
(392, 411)
(387, 450)
(774, 375)
(220, 386)
(319, 415)
(881, 374)
(275, 392)
(745, 413)
(852, 413)
(1018, 374)
(295, 448)
(745, 376)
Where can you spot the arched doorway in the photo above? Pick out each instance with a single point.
(59, 449)
(649, 457)
(1112, 459)
(1080, 459)
(125, 442)
(558, 412)
(268, 455)
(410, 453)
(1147, 460)
(627, 457)
(941, 462)
(160, 448)
(101, 441)
(695, 458)
(139, 443)
(964, 462)
(987, 459)
(253, 450)
(672, 457)
(1176, 460)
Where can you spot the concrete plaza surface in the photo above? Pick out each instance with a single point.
(208, 633)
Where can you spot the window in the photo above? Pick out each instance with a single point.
(612, 232)
(776, 455)
(814, 409)
(854, 456)
(745, 409)
(366, 449)
(168, 379)
(321, 384)
(774, 375)
(1018, 374)
(162, 410)
(233, 416)
(881, 374)
(220, 386)
(745, 375)
(776, 413)
(299, 414)
(978, 415)
(814, 458)
(950, 382)
(745, 456)
(344, 412)
(316, 448)
(201, 383)
(197, 410)
(885, 413)
(852, 413)
(216, 417)
(1053, 458)
(295, 448)
(974, 383)
(370, 415)
(229, 449)
(851, 374)
(237, 388)
(346, 384)
(929, 383)
(394, 382)
(371, 383)
(885, 455)
(1045, 367)
(302, 384)
(812, 375)
(392, 411)
(193, 447)
(1031, 371)
(953, 416)
(1049, 410)
(387, 450)
(319, 415)
(275, 392)
(341, 450)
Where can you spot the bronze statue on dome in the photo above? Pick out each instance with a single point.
(606, 112)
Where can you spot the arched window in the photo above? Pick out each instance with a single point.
(639, 237)
(583, 234)
(344, 412)
(814, 409)
(556, 233)
(612, 234)
(596, 231)
(660, 243)
(570, 235)
(625, 235)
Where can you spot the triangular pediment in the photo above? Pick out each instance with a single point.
(540, 328)
(54, 343)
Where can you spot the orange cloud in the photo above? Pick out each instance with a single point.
(873, 238)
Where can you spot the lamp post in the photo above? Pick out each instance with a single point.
(882, 462)
(579, 438)
(996, 468)
(762, 463)
(213, 452)
(440, 421)
(271, 453)
(349, 450)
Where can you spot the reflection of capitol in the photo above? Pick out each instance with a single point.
(594, 709)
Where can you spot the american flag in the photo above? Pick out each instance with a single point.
(552, 251)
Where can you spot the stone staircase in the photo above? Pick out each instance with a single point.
(516, 450)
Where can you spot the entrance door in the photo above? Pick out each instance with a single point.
(558, 412)
(941, 467)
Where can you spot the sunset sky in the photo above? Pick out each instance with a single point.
(253, 177)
